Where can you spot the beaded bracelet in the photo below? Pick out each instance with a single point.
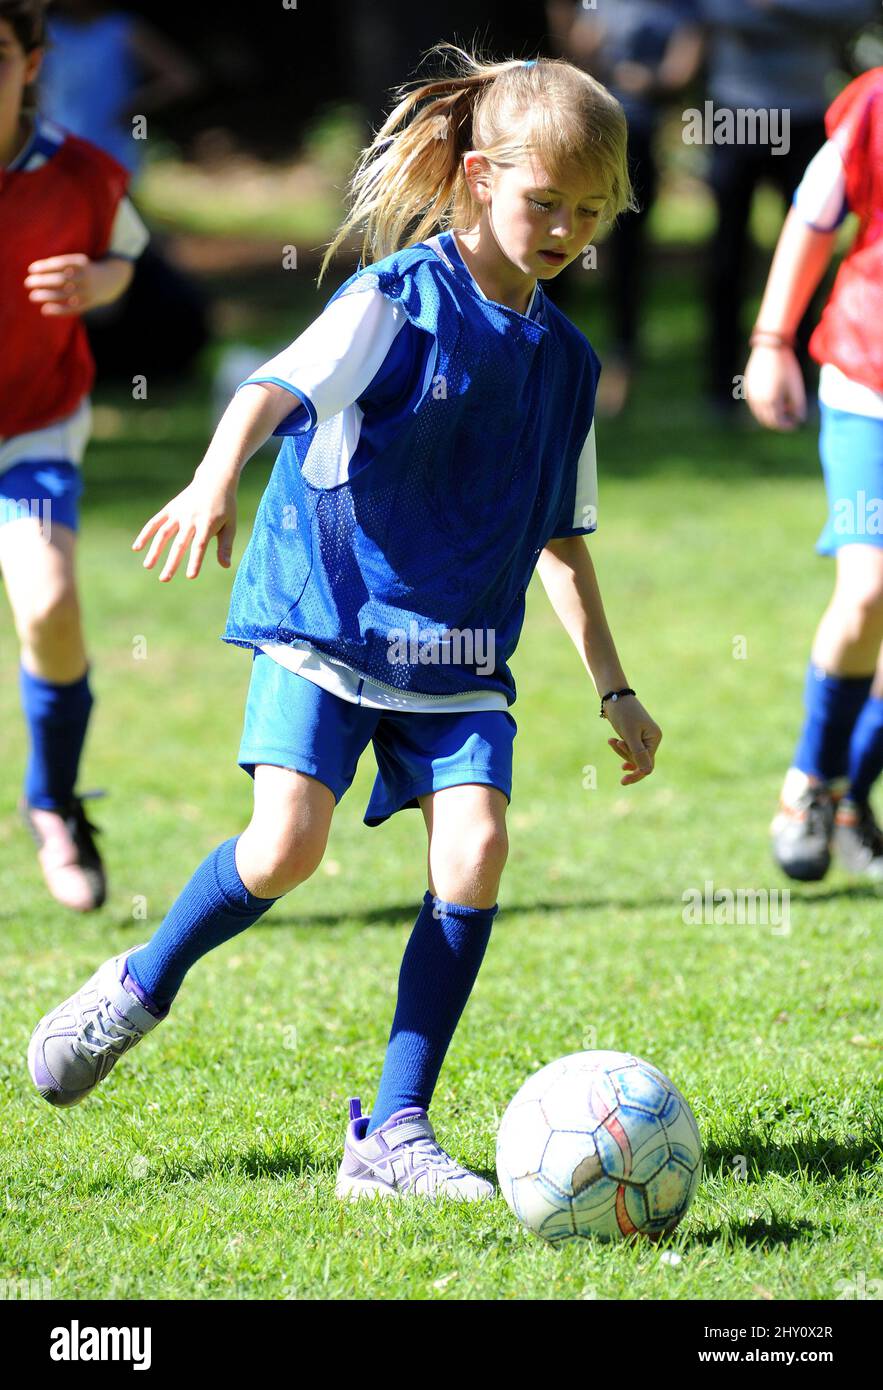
(614, 695)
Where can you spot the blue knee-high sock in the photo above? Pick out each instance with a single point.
(833, 704)
(440, 964)
(211, 908)
(866, 749)
(57, 717)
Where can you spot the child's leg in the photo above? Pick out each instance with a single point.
(39, 575)
(38, 571)
(468, 846)
(844, 657)
(849, 640)
(866, 744)
(75, 1045)
(281, 847)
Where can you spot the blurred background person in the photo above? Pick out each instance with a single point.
(825, 799)
(104, 68)
(70, 240)
(105, 65)
(644, 51)
(763, 55)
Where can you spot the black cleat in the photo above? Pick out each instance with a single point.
(858, 840)
(68, 855)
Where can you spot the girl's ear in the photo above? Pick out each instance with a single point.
(33, 63)
(477, 171)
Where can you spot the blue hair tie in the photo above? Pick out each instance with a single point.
(530, 62)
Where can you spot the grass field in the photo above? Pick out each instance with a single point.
(204, 1168)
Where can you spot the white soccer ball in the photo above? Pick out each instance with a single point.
(599, 1144)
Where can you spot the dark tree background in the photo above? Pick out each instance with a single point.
(268, 69)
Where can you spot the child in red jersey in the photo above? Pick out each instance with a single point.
(69, 237)
(825, 800)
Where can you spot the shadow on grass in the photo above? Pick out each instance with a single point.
(763, 1233)
(858, 892)
(253, 1163)
(808, 1156)
(402, 914)
(296, 1162)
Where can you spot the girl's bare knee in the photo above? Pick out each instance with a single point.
(270, 867)
(469, 868)
(286, 839)
(51, 622)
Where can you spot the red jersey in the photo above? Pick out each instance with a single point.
(66, 204)
(850, 332)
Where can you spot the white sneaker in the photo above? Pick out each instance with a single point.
(402, 1159)
(75, 1045)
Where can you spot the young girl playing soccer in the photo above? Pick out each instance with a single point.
(825, 798)
(69, 237)
(437, 446)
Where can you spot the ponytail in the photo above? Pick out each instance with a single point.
(409, 181)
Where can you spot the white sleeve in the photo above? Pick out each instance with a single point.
(582, 518)
(820, 198)
(585, 513)
(128, 236)
(335, 360)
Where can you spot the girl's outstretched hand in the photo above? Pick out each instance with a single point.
(204, 509)
(639, 738)
(774, 387)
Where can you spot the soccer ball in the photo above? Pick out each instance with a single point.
(599, 1144)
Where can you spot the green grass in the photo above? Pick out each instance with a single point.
(204, 1168)
(297, 199)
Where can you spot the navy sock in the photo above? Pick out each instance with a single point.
(57, 717)
(439, 968)
(211, 908)
(866, 749)
(833, 704)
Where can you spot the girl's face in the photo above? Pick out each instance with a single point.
(17, 70)
(539, 221)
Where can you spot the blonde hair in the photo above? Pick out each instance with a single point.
(410, 182)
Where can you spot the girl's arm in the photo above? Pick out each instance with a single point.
(207, 506)
(773, 380)
(67, 285)
(355, 341)
(247, 423)
(568, 575)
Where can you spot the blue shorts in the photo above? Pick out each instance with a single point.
(39, 470)
(851, 449)
(291, 722)
(47, 491)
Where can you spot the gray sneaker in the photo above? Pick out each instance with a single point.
(75, 1046)
(858, 840)
(402, 1159)
(803, 827)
